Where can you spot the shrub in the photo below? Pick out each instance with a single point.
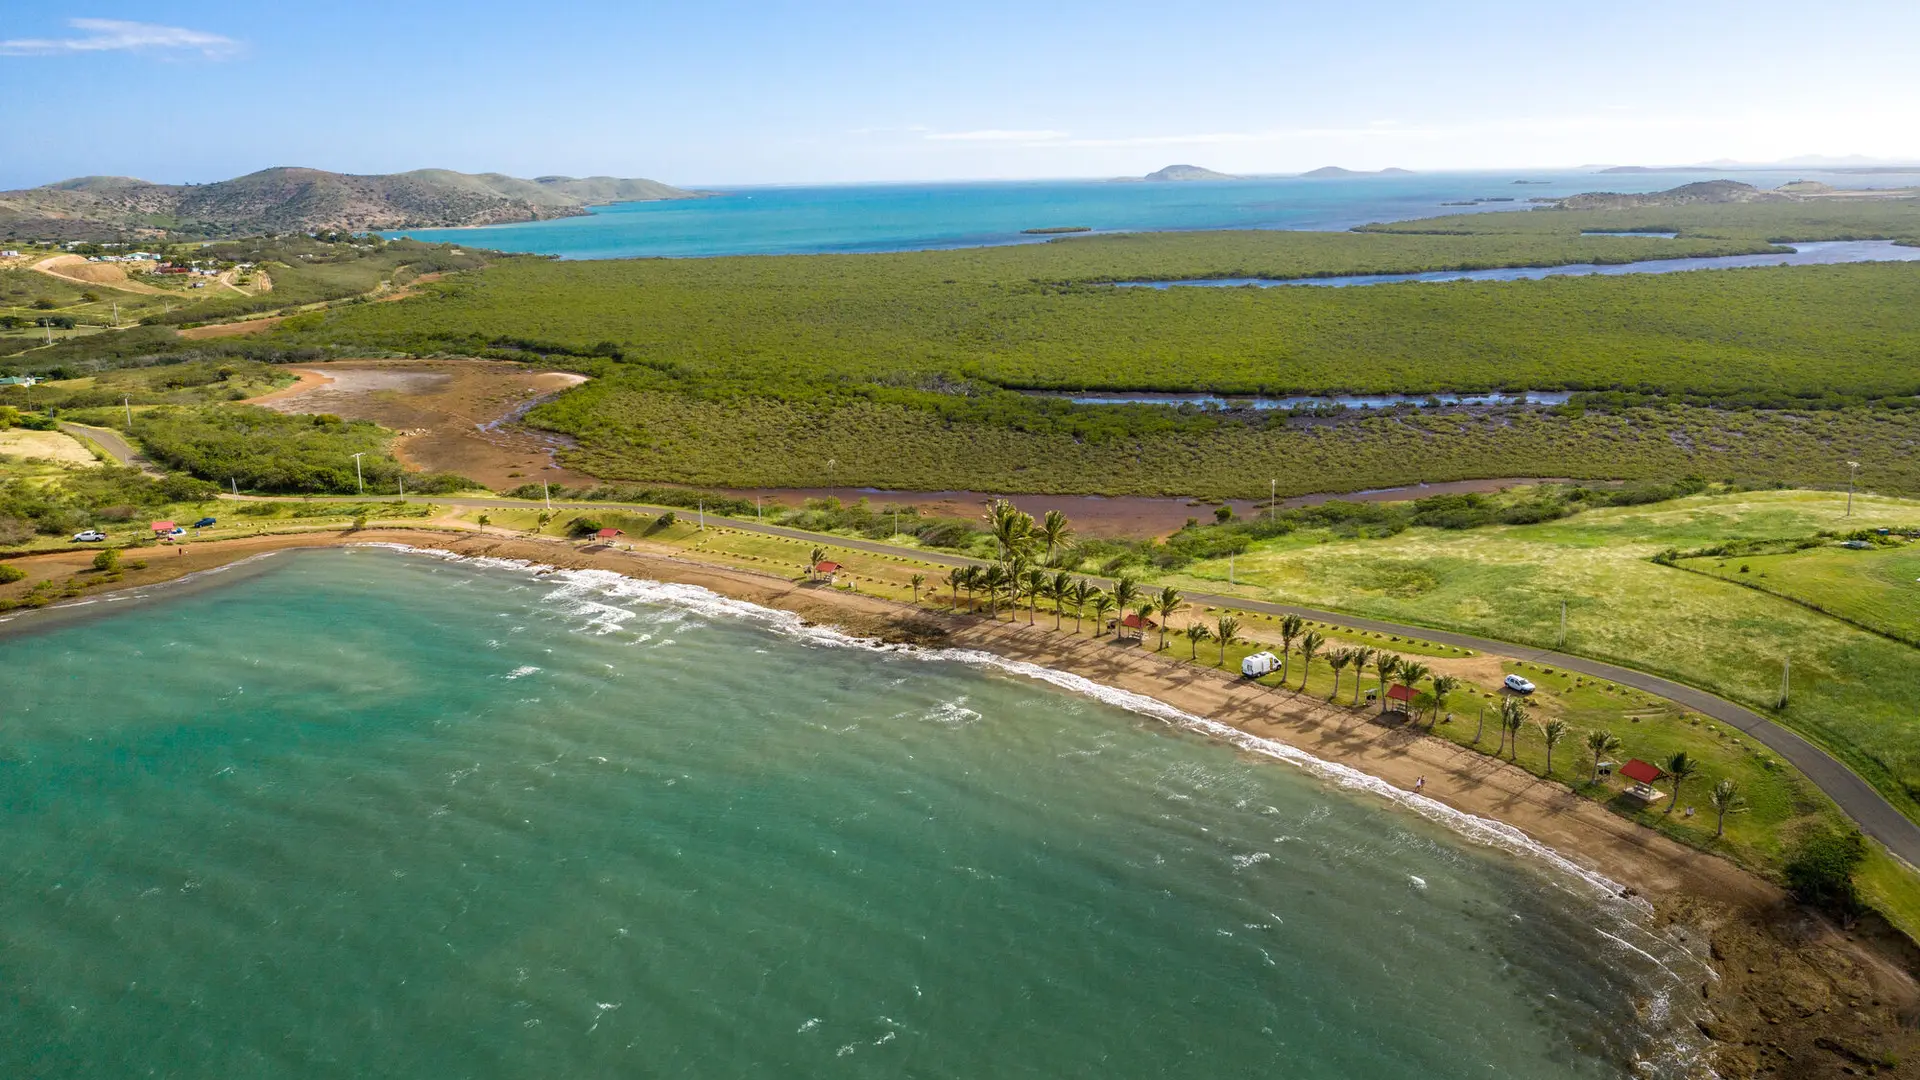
(9, 574)
(1820, 869)
(583, 526)
(107, 561)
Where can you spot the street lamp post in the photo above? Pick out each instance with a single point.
(1852, 467)
(358, 479)
(1273, 500)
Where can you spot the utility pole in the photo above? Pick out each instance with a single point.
(546, 496)
(359, 480)
(1786, 680)
(1852, 467)
(1563, 624)
(896, 523)
(127, 401)
(1273, 500)
(403, 487)
(756, 508)
(703, 515)
(235, 484)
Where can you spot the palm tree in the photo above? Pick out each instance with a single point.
(1226, 630)
(1196, 632)
(1725, 796)
(1012, 528)
(1480, 725)
(957, 577)
(1053, 532)
(994, 579)
(1513, 716)
(1361, 654)
(1443, 688)
(1338, 659)
(1409, 676)
(1083, 594)
(1060, 590)
(1170, 601)
(1125, 592)
(1553, 731)
(970, 580)
(1386, 664)
(1290, 628)
(1102, 603)
(1680, 767)
(1603, 744)
(1036, 582)
(917, 580)
(1309, 645)
(819, 556)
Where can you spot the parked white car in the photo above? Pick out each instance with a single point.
(1519, 685)
(89, 537)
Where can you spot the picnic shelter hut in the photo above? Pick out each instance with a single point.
(826, 569)
(163, 528)
(1135, 626)
(1400, 698)
(1643, 774)
(606, 536)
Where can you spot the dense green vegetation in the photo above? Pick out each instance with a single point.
(305, 270)
(261, 450)
(82, 498)
(1773, 222)
(188, 382)
(907, 369)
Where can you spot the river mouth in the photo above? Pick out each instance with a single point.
(1819, 253)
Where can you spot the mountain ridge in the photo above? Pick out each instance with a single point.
(297, 199)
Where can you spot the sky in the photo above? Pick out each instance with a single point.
(718, 92)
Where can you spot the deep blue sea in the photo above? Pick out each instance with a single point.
(909, 217)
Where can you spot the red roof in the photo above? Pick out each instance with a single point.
(1642, 771)
(826, 568)
(1134, 621)
(1397, 692)
(607, 534)
(163, 526)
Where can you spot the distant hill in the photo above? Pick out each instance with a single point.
(1335, 170)
(301, 200)
(1188, 172)
(1706, 191)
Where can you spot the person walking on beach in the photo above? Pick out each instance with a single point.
(1420, 783)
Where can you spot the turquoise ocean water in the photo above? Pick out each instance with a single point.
(899, 217)
(360, 813)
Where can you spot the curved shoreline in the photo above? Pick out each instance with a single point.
(1769, 957)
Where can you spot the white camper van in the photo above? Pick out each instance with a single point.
(1260, 663)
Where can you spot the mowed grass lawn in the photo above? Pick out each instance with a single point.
(1853, 691)
(1878, 589)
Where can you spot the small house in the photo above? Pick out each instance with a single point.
(1643, 774)
(828, 570)
(163, 529)
(606, 536)
(1400, 698)
(1134, 625)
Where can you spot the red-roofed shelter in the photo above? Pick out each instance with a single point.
(1641, 772)
(1402, 694)
(164, 527)
(827, 568)
(608, 534)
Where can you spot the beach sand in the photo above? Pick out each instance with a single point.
(1793, 986)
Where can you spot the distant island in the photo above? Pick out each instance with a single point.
(1335, 170)
(1183, 172)
(283, 200)
(1704, 192)
(1053, 230)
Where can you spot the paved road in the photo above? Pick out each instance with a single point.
(113, 443)
(1875, 815)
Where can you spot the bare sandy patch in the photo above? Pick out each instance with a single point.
(55, 447)
(78, 271)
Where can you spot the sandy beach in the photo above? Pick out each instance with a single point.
(1789, 978)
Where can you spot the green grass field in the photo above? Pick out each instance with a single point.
(1877, 589)
(1852, 689)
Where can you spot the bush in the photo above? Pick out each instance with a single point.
(583, 526)
(9, 574)
(107, 561)
(1820, 869)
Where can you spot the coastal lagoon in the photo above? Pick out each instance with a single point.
(909, 217)
(361, 812)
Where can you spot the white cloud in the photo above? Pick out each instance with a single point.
(114, 35)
